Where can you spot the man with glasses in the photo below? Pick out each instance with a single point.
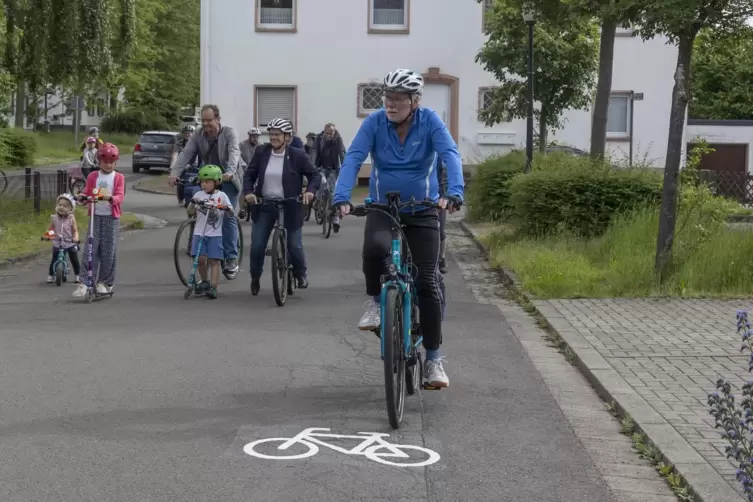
(218, 145)
(330, 152)
(404, 141)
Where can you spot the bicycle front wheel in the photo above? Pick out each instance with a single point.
(182, 250)
(279, 267)
(394, 357)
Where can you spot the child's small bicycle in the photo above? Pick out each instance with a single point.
(76, 179)
(191, 283)
(91, 290)
(60, 267)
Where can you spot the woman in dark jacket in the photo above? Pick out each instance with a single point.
(276, 172)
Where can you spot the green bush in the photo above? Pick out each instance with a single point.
(17, 148)
(134, 121)
(580, 196)
(488, 193)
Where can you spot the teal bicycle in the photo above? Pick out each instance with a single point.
(400, 330)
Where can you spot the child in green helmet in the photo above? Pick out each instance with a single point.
(208, 228)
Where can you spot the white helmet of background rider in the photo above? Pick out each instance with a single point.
(404, 80)
(283, 125)
(254, 131)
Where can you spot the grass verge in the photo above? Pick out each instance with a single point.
(710, 258)
(58, 147)
(20, 232)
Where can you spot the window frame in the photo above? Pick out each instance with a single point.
(484, 9)
(480, 104)
(275, 28)
(361, 111)
(620, 136)
(293, 119)
(388, 29)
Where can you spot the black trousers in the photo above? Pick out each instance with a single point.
(422, 236)
(72, 255)
(442, 218)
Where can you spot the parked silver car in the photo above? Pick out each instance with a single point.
(154, 150)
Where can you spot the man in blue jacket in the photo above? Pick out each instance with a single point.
(276, 172)
(404, 140)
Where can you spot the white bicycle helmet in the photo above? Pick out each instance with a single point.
(283, 125)
(254, 131)
(403, 80)
(70, 198)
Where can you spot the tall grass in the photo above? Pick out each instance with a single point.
(711, 258)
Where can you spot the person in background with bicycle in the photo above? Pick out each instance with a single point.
(248, 146)
(330, 152)
(442, 179)
(208, 228)
(217, 145)
(63, 223)
(94, 133)
(276, 172)
(90, 161)
(192, 168)
(310, 147)
(404, 140)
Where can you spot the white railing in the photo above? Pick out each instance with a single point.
(390, 17)
(272, 15)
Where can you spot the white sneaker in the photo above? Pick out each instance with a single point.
(78, 280)
(371, 319)
(102, 289)
(49, 279)
(80, 291)
(435, 375)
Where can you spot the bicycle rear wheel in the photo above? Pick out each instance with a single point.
(279, 267)
(394, 357)
(182, 250)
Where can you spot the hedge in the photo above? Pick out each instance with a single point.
(17, 148)
(134, 121)
(488, 193)
(580, 200)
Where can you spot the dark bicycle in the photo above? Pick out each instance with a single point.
(323, 212)
(283, 282)
(400, 330)
(184, 236)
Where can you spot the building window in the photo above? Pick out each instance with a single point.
(487, 7)
(90, 107)
(275, 102)
(369, 99)
(387, 16)
(485, 97)
(276, 15)
(618, 116)
(100, 107)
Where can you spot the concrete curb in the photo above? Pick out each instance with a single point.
(136, 187)
(12, 262)
(707, 484)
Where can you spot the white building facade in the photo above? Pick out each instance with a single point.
(322, 61)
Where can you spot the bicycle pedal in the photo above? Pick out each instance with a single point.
(426, 386)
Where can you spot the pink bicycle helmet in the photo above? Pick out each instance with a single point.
(91, 139)
(108, 152)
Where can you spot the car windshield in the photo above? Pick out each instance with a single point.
(157, 138)
(188, 118)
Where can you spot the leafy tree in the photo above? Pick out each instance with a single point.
(565, 63)
(721, 63)
(681, 21)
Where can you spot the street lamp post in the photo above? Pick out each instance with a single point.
(529, 16)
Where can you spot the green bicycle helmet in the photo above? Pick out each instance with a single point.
(210, 172)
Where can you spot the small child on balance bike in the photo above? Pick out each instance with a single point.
(63, 232)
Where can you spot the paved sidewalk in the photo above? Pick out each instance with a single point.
(659, 359)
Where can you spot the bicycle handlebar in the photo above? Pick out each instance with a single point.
(362, 209)
(210, 205)
(261, 200)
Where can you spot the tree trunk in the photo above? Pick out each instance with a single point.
(542, 131)
(603, 89)
(668, 214)
(20, 111)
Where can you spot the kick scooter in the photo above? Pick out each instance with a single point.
(91, 290)
(206, 205)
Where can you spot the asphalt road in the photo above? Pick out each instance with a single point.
(147, 396)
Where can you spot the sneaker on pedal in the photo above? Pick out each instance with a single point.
(102, 289)
(212, 293)
(231, 265)
(371, 319)
(435, 375)
(49, 279)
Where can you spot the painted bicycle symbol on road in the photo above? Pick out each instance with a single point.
(372, 447)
